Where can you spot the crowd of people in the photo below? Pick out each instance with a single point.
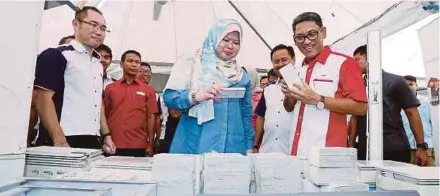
(79, 105)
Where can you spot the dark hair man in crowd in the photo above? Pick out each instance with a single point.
(145, 74)
(130, 107)
(69, 86)
(271, 115)
(106, 61)
(396, 97)
(272, 76)
(425, 116)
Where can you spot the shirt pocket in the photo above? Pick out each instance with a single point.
(139, 102)
(324, 86)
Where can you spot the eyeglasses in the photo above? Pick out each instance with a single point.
(311, 35)
(102, 28)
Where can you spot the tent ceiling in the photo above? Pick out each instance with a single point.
(183, 25)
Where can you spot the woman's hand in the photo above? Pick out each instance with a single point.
(208, 93)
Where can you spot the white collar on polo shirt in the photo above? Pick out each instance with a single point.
(81, 49)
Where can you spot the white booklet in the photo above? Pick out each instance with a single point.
(291, 76)
(229, 93)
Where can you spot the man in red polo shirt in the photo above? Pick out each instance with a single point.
(331, 87)
(130, 105)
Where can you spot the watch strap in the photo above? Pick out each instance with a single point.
(103, 136)
(322, 99)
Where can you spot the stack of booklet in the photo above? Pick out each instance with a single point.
(177, 174)
(333, 166)
(116, 162)
(54, 162)
(277, 173)
(226, 173)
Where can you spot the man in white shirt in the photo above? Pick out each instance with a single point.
(68, 83)
(278, 123)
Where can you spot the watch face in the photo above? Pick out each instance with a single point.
(320, 105)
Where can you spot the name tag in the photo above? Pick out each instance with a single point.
(140, 93)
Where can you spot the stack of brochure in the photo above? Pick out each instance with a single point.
(177, 174)
(277, 174)
(333, 166)
(54, 162)
(226, 174)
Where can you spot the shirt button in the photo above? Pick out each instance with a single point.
(276, 138)
(96, 106)
(96, 91)
(300, 117)
(278, 112)
(277, 125)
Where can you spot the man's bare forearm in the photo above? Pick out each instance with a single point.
(259, 124)
(103, 122)
(150, 127)
(157, 125)
(415, 123)
(289, 104)
(345, 106)
(46, 110)
(352, 131)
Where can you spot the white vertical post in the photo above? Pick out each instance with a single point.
(18, 53)
(375, 118)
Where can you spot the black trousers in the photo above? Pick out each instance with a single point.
(76, 141)
(131, 152)
(84, 141)
(399, 156)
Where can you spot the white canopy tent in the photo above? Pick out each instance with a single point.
(133, 28)
(183, 25)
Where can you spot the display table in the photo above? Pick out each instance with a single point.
(378, 193)
(46, 187)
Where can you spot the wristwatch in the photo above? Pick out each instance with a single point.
(423, 145)
(103, 136)
(320, 104)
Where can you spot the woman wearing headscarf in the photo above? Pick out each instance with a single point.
(208, 124)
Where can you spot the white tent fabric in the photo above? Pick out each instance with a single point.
(429, 39)
(183, 25)
(406, 60)
(400, 16)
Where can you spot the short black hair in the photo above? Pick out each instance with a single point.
(82, 13)
(263, 77)
(410, 78)
(145, 64)
(362, 50)
(271, 73)
(105, 48)
(307, 16)
(282, 47)
(130, 52)
(64, 39)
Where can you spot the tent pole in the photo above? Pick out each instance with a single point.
(375, 118)
(249, 23)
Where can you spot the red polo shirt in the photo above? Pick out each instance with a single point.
(126, 108)
(333, 75)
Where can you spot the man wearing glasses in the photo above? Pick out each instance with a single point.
(69, 86)
(331, 88)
